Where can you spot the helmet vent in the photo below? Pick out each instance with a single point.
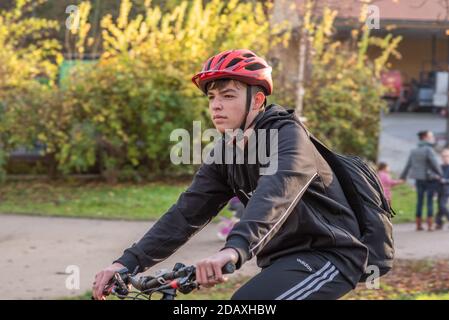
(234, 62)
(255, 66)
(208, 65)
(218, 65)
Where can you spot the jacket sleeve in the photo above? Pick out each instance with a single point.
(433, 162)
(404, 173)
(389, 181)
(276, 195)
(395, 182)
(205, 197)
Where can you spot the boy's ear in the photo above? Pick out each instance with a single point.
(258, 100)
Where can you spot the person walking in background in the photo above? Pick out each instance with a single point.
(422, 165)
(383, 170)
(443, 192)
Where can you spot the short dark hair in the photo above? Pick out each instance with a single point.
(221, 83)
(422, 134)
(382, 166)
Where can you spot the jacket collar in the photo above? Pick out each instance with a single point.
(424, 144)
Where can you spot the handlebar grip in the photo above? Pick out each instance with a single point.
(228, 268)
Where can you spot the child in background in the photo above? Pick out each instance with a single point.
(383, 170)
(226, 225)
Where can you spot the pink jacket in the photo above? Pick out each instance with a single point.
(387, 183)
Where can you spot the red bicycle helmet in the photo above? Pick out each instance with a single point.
(242, 65)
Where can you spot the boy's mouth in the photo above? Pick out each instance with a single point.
(216, 117)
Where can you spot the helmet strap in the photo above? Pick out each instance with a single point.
(247, 107)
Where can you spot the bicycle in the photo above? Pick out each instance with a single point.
(182, 278)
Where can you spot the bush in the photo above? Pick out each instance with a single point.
(2, 164)
(116, 116)
(28, 60)
(119, 114)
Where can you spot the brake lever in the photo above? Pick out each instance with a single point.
(122, 288)
(117, 285)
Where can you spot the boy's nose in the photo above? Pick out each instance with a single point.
(216, 105)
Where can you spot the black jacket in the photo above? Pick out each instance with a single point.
(444, 180)
(301, 207)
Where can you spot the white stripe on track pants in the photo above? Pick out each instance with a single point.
(299, 276)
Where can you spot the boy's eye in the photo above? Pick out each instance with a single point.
(228, 96)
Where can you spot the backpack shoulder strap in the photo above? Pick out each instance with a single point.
(325, 152)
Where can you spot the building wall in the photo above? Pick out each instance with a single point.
(415, 48)
(415, 51)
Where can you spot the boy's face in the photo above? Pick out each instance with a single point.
(227, 106)
(445, 157)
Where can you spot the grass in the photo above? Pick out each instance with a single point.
(404, 202)
(94, 200)
(406, 296)
(125, 201)
(91, 200)
(432, 296)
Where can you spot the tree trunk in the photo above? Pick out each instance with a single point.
(302, 57)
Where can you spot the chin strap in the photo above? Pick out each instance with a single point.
(243, 125)
(248, 106)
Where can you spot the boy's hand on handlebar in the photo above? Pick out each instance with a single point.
(208, 271)
(102, 278)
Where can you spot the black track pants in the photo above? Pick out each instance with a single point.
(300, 276)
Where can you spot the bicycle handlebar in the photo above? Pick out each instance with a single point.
(182, 277)
(228, 268)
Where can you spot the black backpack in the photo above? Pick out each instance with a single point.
(365, 194)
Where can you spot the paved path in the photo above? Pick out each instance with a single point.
(35, 251)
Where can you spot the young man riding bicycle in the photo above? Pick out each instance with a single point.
(297, 220)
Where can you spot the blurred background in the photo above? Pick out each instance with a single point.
(91, 90)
